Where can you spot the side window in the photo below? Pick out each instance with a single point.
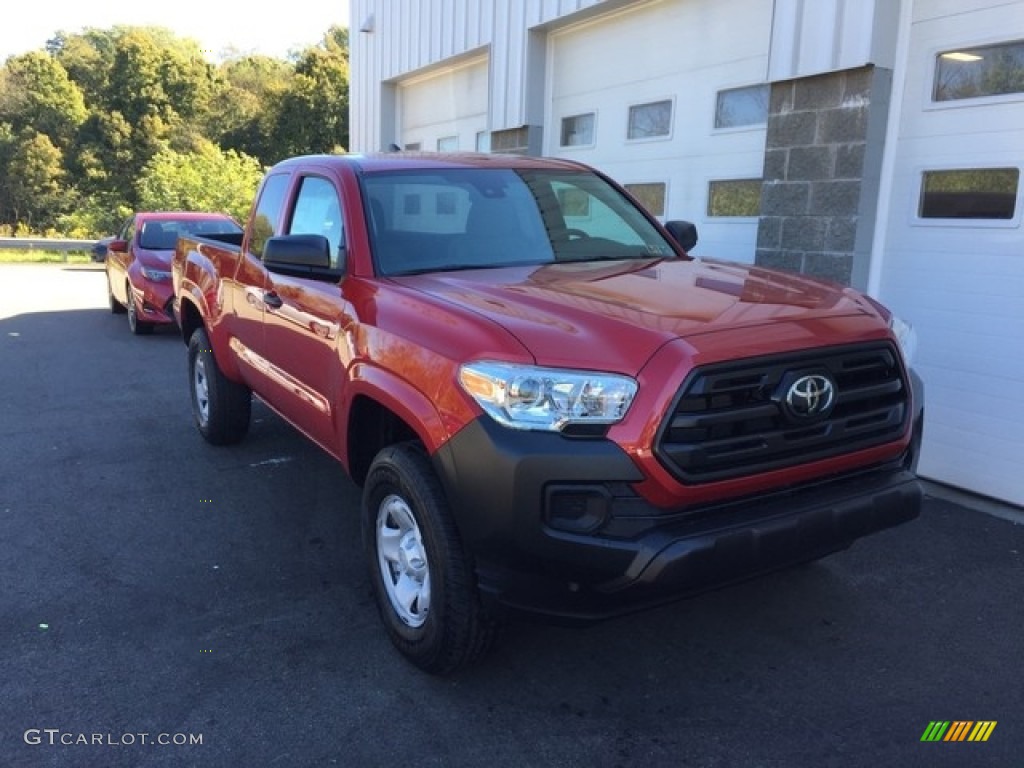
(587, 215)
(598, 222)
(128, 230)
(317, 212)
(268, 213)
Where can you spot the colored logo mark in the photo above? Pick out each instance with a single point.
(958, 730)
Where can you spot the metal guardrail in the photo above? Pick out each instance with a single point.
(45, 244)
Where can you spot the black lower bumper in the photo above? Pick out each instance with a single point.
(556, 529)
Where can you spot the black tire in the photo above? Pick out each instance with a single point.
(221, 408)
(452, 629)
(135, 325)
(116, 307)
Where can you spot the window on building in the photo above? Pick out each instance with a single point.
(737, 107)
(971, 73)
(648, 121)
(734, 197)
(413, 146)
(448, 144)
(511, 141)
(411, 205)
(483, 141)
(445, 204)
(651, 196)
(578, 130)
(978, 193)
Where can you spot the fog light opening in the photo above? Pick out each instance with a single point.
(577, 509)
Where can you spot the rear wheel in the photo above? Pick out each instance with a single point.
(221, 408)
(116, 307)
(423, 580)
(137, 326)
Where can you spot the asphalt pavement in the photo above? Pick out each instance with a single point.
(167, 603)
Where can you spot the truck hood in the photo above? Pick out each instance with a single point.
(618, 313)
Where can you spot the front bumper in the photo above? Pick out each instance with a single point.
(155, 301)
(556, 529)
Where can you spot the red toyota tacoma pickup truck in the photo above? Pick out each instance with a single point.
(550, 406)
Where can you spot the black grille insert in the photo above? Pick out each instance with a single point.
(729, 419)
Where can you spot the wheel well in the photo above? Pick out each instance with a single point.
(371, 427)
(190, 320)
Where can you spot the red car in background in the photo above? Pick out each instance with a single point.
(139, 258)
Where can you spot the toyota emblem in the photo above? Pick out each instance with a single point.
(811, 395)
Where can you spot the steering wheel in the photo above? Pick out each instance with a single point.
(578, 234)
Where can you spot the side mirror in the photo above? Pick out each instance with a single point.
(683, 232)
(300, 255)
(311, 251)
(118, 246)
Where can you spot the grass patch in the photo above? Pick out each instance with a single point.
(43, 257)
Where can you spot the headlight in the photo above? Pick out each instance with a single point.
(156, 275)
(528, 397)
(907, 338)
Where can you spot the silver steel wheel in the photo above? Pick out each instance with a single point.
(201, 390)
(402, 558)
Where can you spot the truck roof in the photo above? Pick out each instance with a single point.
(387, 161)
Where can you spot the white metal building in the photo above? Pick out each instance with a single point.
(876, 142)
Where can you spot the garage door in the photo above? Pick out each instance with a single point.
(670, 98)
(954, 257)
(445, 110)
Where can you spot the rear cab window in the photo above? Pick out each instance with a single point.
(266, 218)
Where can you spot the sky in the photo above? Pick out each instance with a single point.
(214, 24)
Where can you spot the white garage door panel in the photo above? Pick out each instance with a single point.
(995, 473)
(961, 283)
(607, 65)
(449, 103)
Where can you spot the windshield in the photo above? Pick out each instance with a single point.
(467, 218)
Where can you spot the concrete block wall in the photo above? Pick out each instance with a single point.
(821, 173)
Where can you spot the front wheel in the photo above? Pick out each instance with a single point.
(135, 325)
(422, 578)
(221, 408)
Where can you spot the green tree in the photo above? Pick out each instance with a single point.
(106, 121)
(35, 179)
(36, 93)
(206, 179)
(314, 111)
(8, 144)
(251, 90)
(88, 58)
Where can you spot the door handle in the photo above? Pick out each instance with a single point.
(272, 300)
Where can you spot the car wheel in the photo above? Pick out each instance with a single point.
(423, 580)
(137, 326)
(116, 307)
(221, 408)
